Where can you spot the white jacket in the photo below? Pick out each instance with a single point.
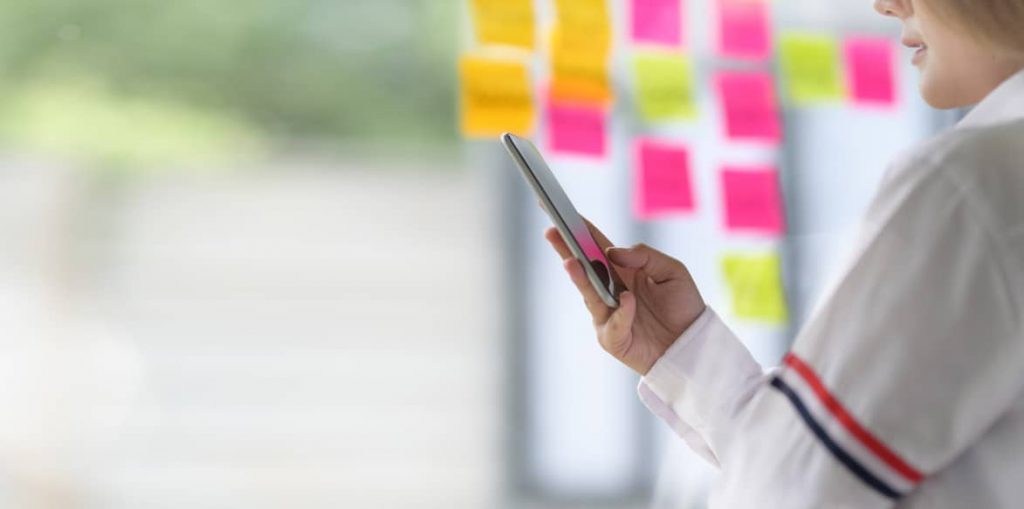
(906, 387)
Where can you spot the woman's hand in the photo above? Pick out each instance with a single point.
(660, 302)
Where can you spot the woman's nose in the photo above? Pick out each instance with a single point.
(894, 8)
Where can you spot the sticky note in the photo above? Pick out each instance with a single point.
(576, 129)
(509, 22)
(752, 200)
(749, 108)
(663, 180)
(580, 45)
(657, 22)
(582, 13)
(755, 284)
(871, 70)
(495, 95)
(664, 86)
(583, 26)
(744, 29)
(579, 74)
(810, 68)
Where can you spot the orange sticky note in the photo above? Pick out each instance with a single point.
(495, 95)
(744, 29)
(577, 129)
(509, 22)
(752, 199)
(871, 75)
(579, 72)
(580, 79)
(749, 106)
(581, 42)
(663, 181)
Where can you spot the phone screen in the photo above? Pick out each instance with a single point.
(568, 221)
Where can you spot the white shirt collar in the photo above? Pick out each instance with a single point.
(1004, 104)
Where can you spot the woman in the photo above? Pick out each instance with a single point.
(907, 385)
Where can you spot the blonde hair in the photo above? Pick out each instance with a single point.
(997, 21)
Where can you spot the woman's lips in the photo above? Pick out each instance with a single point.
(920, 54)
(915, 43)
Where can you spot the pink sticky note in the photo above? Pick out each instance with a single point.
(662, 180)
(752, 199)
(871, 64)
(744, 29)
(657, 22)
(749, 106)
(576, 129)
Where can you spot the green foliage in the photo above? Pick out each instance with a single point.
(309, 69)
(85, 123)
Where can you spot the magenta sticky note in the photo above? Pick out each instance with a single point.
(663, 181)
(752, 199)
(744, 29)
(657, 22)
(576, 129)
(871, 70)
(749, 106)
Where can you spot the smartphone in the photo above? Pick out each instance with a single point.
(562, 212)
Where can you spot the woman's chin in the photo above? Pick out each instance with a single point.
(936, 94)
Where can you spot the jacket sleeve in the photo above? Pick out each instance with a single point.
(911, 356)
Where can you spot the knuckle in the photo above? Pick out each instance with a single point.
(680, 266)
(618, 326)
(610, 344)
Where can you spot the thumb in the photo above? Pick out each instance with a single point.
(658, 265)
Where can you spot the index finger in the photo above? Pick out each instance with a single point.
(554, 237)
(598, 310)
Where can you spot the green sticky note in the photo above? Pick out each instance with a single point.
(755, 282)
(664, 86)
(810, 68)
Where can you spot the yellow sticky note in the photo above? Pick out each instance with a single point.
(509, 22)
(664, 86)
(582, 11)
(755, 282)
(583, 26)
(496, 95)
(579, 73)
(810, 68)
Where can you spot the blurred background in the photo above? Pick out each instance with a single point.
(248, 260)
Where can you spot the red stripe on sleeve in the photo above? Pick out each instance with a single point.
(876, 446)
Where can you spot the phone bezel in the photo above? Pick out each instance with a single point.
(607, 294)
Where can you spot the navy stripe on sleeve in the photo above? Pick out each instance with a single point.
(848, 461)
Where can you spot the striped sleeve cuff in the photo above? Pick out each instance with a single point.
(700, 382)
